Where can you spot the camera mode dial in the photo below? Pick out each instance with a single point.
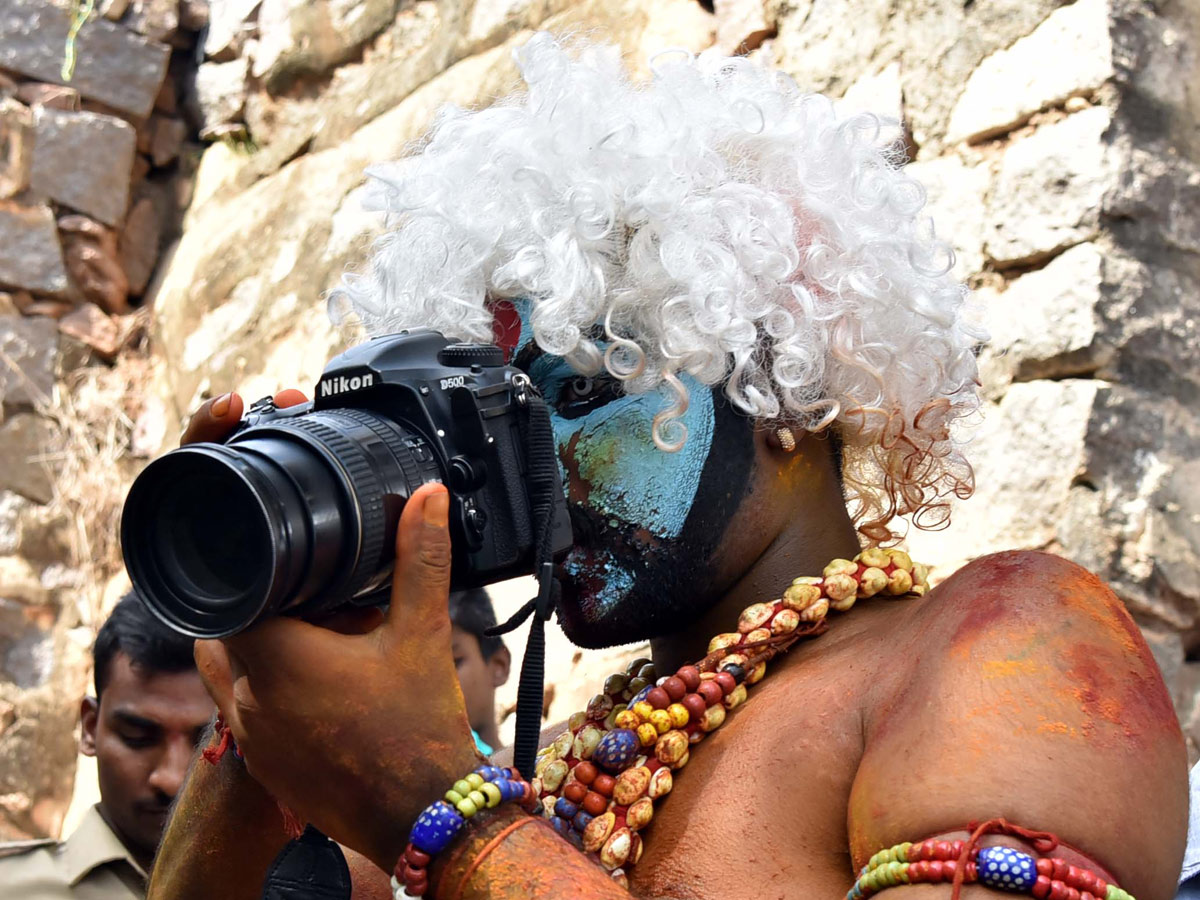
(464, 355)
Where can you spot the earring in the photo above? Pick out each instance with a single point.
(787, 440)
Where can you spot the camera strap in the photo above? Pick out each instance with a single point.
(311, 867)
(542, 462)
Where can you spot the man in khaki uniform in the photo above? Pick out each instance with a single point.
(143, 725)
(92, 864)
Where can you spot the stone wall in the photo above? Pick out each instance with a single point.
(94, 174)
(1059, 143)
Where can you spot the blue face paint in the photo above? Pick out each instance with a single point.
(642, 542)
(616, 581)
(610, 458)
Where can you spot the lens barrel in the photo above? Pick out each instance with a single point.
(297, 515)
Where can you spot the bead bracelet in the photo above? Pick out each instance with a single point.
(485, 788)
(1002, 868)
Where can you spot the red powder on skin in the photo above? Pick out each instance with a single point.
(990, 581)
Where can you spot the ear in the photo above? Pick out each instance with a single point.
(500, 664)
(782, 439)
(89, 718)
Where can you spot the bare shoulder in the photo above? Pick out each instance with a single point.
(1028, 582)
(1025, 690)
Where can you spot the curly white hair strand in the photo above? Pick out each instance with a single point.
(717, 222)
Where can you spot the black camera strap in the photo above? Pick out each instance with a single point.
(542, 463)
(311, 867)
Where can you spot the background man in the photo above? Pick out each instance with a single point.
(142, 726)
(482, 662)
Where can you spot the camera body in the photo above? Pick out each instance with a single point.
(296, 513)
(461, 403)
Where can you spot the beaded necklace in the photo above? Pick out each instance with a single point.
(598, 781)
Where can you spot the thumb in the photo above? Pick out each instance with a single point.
(217, 670)
(421, 585)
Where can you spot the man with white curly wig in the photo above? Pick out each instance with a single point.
(754, 357)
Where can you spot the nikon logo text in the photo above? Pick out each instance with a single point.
(341, 384)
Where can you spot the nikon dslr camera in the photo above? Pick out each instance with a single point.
(297, 512)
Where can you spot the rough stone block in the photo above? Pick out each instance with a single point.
(828, 45)
(1049, 190)
(1175, 532)
(880, 93)
(139, 244)
(19, 582)
(28, 355)
(167, 101)
(220, 92)
(166, 140)
(742, 25)
(1026, 453)
(89, 325)
(27, 448)
(84, 161)
(311, 36)
(56, 96)
(1141, 458)
(114, 10)
(30, 255)
(230, 24)
(1046, 324)
(195, 15)
(1068, 55)
(32, 531)
(16, 147)
(92, 258)
(114, 65)
(13, 509)
(55, 309)
(156, 19)
(27, 659)
(954, 192)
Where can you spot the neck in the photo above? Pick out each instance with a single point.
(804, 546)
(143, 857)
(490, 735)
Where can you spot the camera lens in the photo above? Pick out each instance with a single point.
(295, 516)
(220, 534)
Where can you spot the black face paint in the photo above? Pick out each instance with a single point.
(667, 582)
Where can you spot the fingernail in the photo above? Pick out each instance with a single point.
(221, 405)
(437, 509)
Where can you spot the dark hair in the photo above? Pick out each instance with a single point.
(150, 646)
(472, 611)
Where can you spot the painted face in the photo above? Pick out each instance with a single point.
(646, 521)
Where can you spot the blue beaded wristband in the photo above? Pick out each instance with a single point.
(441, 822)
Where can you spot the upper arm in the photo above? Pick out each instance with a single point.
(1029, 694)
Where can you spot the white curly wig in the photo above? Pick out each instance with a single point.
(716, 222)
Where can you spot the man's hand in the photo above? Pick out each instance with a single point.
(216, 419)
(356, 732)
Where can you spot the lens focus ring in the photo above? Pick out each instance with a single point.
(401, 447)
(367, 492)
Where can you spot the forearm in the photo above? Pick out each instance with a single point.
(222, 837)
(513, 856)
